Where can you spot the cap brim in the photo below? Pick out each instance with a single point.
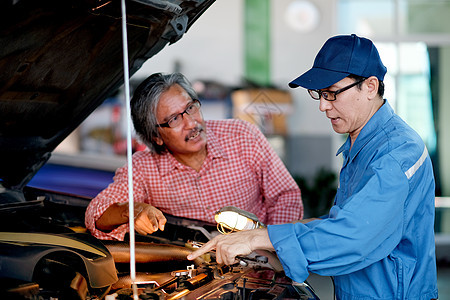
(316, 79)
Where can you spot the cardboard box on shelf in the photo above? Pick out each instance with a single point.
(266, 108)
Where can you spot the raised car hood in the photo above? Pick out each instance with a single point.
(59, 60)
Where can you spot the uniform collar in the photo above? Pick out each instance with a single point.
(374, 125)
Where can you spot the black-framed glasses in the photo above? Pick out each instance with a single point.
(177, 119)
(331, 95)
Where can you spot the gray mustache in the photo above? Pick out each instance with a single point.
(198, 128)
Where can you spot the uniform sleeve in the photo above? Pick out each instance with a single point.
(282, 196)
(365, 229)
(116, 192)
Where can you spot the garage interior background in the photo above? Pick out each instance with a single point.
(241, 54)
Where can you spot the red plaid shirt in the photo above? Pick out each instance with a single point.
(241, 169)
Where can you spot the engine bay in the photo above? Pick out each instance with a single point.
(57, 259)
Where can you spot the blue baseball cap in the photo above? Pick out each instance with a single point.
(339, 57)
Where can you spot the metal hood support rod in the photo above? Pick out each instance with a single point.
(129, 151)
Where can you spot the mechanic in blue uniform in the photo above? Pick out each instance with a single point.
(378, 239)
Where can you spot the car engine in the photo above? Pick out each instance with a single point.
(46, 253)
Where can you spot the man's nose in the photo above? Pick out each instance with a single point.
(189, 120)
(324, 105)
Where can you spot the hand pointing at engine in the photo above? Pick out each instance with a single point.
(235, 244)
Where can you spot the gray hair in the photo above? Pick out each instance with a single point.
(145, 101)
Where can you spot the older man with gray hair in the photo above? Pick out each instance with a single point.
(192, 167)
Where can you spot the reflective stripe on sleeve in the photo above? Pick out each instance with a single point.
(411, 171)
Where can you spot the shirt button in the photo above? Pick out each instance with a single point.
(208, 208)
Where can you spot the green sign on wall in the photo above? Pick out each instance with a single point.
(257, 41)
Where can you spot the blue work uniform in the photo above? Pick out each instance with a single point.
(378, 239)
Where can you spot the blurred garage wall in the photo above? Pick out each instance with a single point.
(213, 50)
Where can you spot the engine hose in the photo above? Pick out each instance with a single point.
(148, 252)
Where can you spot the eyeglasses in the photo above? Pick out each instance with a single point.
(176, 120)
(331, 95)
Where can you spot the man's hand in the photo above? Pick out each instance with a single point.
(147, 218)
(235, 244)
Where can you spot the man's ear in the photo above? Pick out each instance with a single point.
(159, 141)
(372, 86)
